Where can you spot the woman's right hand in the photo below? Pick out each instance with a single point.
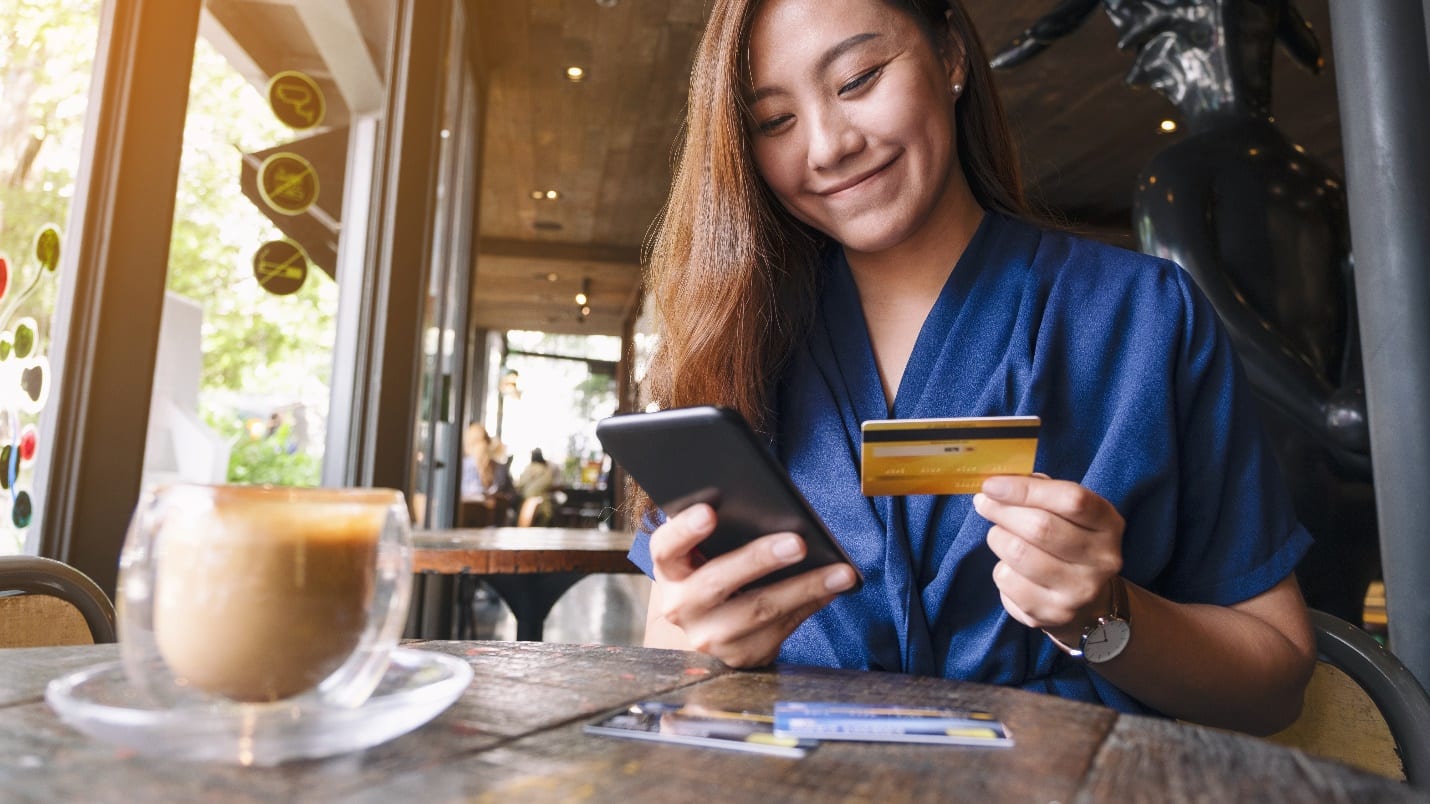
(703, 598)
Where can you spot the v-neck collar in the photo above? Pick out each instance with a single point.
(865, 388)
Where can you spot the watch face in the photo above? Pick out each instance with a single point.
(1106, 640)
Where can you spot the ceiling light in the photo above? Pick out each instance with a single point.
(585, 311)
(552, 195)
(584, 296)
(581, 298)
(607, 3)
(537, 195)
(575, 74)
(552, 277)
(1167, 126)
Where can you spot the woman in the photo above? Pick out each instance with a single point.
(479, 468)
(534, 486)
(845, 241)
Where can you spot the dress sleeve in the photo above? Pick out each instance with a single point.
(640, 548)
(1237, 533)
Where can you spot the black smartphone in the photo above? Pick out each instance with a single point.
(707, 454)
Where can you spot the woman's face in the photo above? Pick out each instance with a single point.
(852, 122)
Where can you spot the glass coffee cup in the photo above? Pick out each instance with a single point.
(257, 594)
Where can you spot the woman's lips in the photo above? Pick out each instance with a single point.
(855, 181)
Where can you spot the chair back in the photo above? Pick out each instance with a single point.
(1363, 707)
(46, 603)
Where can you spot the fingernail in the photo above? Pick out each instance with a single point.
(699, 517)
(839, 579)
(787, 548)
(978, 500)
(997, 487)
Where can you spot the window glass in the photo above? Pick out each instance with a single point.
(245, 358)
(553, 391)
(46, 61)
(600, 347)
(447, 463)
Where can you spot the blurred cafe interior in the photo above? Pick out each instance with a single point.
(398, 243)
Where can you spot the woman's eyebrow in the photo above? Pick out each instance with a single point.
(820, 66)
(840, 49)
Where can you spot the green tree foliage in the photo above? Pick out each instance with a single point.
(46, 58)
(269, 458)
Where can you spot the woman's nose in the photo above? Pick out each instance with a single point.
(832, 139)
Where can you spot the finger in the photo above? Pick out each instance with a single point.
(673, 545)
(760, 647)
(1053, 534)
(1044, 568)
(1076, 586)
(1064, 498)
(1015, 611)
(1045, 608)
(778, 608)
(720, 578)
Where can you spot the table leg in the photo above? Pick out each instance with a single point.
(413, 629)
(530, 598)
(438, 602)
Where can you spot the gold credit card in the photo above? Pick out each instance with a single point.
(945, 456)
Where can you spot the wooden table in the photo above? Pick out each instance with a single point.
(530, 568)
(515, 735)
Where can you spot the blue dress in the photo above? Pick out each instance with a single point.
(1142, 402)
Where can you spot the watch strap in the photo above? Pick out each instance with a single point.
(1118, 612)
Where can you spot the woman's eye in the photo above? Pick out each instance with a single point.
(860, 80)
(774, 124)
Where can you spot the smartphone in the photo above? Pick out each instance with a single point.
(707, 454)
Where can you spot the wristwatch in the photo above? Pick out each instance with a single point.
(1108, 637)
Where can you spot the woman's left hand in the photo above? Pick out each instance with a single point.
(1059, 547)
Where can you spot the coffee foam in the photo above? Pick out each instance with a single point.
(261, 599)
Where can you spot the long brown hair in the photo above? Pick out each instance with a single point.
(731, 273)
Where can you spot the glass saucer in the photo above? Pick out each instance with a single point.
(100, 702)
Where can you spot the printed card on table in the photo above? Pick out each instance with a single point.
(821, 720)
(686, 724)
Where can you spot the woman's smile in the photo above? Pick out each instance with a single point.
(851, 186)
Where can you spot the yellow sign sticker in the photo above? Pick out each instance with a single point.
(296, 100)
(288, 183)
(280, 266)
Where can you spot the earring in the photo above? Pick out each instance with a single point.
(958, 89)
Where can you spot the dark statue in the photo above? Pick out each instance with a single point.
(1263, 229)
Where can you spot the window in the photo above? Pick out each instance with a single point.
(554, 389)
(246, 353)
(45, 77)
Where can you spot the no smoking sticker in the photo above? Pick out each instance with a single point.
(288, 183)
(280, 266)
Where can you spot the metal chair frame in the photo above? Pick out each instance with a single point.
(1401, 699)
(43, 576)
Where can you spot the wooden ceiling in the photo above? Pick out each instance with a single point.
(605, 144)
